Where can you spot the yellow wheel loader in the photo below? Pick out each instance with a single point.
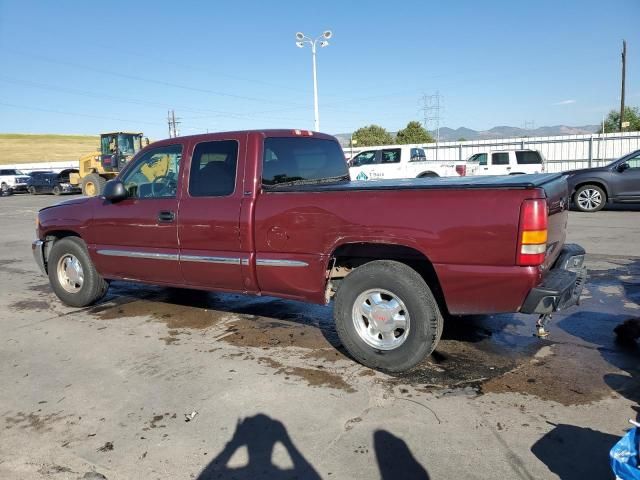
(116, 149)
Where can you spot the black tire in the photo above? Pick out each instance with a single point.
(32, 190)
(425, 319)
(428, 175)
(56, 190)
(95, 180)
(589, 191)
(93, 286)
(4, 189)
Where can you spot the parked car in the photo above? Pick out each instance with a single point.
(52, 182)
(273, 212)
(396, 162)
(13, 179)
(619, 182)
(505, 162)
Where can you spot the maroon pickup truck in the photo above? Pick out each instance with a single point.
(273, 212)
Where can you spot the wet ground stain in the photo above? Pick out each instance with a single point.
(27, 305)
(314, 377)
(35, 421)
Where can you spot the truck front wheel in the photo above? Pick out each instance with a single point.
(386, 316)
(72, 275)
(93, 185)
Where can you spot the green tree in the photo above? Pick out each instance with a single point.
(371, 135)
(413, 133)
(631, 115)
(462, 139)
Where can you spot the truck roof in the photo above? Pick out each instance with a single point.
(268, 132)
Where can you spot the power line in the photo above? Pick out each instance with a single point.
(173, 124)
(624, 67)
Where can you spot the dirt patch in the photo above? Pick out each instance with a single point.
(35, 421)
(267, 333)
(459, 364)
(565, 373)
(40, 288)
(29, 305)
(315, 377)
(174, 316)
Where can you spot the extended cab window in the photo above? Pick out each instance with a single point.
(213, 169)
(528, 158)
(364, 158)
(295, 161)
(155, 174)
(391, 155)
(501, 158)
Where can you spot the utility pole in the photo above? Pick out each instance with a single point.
(624, 65)
(173, 123)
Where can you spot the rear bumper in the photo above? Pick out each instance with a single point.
(561, 286)
(37, 248)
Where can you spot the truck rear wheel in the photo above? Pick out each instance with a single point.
(386, 316)
(72, 275)
(92, 185)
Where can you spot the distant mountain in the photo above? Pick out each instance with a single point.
(451, 135)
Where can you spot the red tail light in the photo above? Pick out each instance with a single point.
(532, 233)
(461, 170)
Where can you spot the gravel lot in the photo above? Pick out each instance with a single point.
(268, 392)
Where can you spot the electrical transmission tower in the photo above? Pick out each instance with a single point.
(431, 105)
(173, 123)
(529, 125)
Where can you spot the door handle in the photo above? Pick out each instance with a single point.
(508, 168)
(166, 216)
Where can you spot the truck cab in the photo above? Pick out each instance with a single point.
(505, 162)
(397, 161)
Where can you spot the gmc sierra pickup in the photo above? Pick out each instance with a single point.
(273, 212)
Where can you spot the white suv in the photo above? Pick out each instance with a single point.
(12, 179)
(399, 161)
(511, 162)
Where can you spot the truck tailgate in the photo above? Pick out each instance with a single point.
(557, 194)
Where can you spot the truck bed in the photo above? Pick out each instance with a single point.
(480, 182)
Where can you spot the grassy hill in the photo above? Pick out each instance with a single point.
(28, 148)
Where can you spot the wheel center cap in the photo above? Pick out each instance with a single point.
(382, 317)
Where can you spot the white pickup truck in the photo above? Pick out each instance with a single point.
(12, 180)
(505, 162)
(397, 162)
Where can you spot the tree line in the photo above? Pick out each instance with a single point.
(372, 135)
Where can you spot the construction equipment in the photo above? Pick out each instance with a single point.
(116, 149)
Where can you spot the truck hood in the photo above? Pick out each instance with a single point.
(65, 203)
(586, 170)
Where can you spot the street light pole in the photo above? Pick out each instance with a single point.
(301, 40)
(316, 114)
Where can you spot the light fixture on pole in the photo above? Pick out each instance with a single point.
(322, 40)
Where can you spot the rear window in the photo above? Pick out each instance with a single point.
(528, 158)
(292, 160)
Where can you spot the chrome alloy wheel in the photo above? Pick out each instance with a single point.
(70, 274)
(381, 319)
(589, 199)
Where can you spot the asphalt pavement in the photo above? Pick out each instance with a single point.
(166, 384)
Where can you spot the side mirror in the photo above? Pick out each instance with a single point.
(114, 191)
(622, 167)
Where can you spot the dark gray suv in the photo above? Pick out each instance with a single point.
(618, 182)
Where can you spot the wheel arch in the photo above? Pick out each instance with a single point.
(593, 181)
(348, 256)
(52, 237)
(428, 174)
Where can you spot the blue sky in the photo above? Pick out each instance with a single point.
(86, 67)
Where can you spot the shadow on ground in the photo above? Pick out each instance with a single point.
(260, 435)
(575, 453)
